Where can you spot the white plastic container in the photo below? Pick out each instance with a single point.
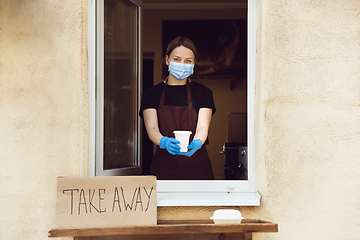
(227, 216)
(183, 137)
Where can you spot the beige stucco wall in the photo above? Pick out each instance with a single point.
(307, 116)
(43, 110)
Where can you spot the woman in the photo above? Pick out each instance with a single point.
(179, 104)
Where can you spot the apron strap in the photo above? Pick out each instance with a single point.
(189, 100)
(162, 99)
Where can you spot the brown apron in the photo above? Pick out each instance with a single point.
(175, 167)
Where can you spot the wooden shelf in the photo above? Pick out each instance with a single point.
(196, 229)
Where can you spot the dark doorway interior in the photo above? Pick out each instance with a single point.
(147, 144)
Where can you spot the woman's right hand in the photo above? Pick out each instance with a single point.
(170, 144)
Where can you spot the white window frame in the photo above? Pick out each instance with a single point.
(193, 193)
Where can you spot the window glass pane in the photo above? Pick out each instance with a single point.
(120, 84)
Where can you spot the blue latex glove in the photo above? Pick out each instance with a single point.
(170, 144)
(192, 148)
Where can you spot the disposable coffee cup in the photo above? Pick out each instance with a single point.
(183, 137)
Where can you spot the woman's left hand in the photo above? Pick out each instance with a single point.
(192, 148)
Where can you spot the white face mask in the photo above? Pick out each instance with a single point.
(180, 70)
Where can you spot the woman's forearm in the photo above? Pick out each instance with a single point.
(151, 125)
(203, 124)
(154, 135)
(201, 133)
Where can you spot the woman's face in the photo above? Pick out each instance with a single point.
(181, 54)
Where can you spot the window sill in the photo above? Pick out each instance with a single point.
(208, 199)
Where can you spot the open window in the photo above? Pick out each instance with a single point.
(115, 92)
(109, 22)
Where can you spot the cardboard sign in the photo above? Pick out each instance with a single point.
(106, 201)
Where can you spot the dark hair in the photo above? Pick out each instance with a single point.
(181, 41)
